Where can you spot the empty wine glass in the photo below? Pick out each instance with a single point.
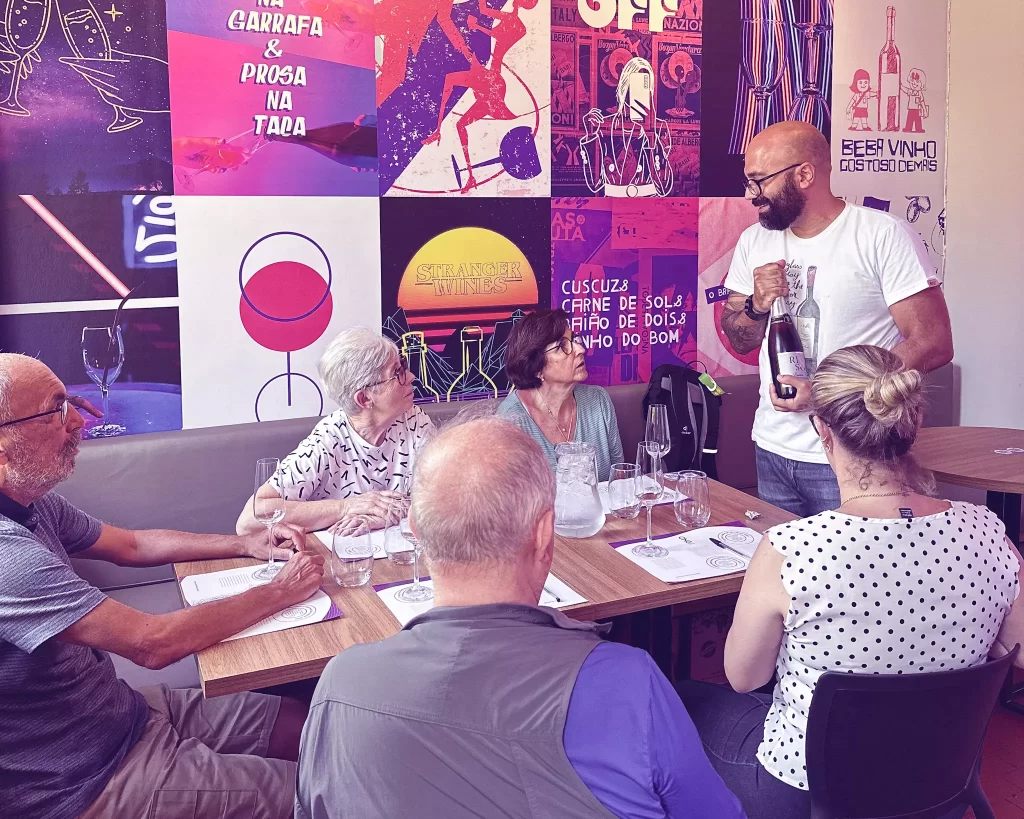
(650, 487)
(103, 356)
(622, 499)
(657, 434)
(397, 547)
(417, 592)
(352, 552)
(268, 511)
(693, 502)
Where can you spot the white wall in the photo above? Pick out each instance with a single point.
(985, 209)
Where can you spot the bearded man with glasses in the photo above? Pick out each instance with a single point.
(848, 274)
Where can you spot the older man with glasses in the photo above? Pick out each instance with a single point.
(358, 459)
(848, 275)
(490, 705)
(76, 740)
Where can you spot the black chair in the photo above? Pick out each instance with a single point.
(904, 746)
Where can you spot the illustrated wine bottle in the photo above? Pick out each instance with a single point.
(785, 353)
(806, 317)
(890, 93)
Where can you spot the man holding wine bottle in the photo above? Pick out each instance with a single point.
(814, 275)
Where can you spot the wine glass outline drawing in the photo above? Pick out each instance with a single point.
(813, 26)
(763, 60)
(16, 57)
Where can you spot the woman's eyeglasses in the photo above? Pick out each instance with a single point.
(403, 368)
(565, 344)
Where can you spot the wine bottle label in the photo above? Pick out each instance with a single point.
(793, 364)
(807, 329)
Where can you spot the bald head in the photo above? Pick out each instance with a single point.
(480, 488)
(787, 143)
(24, 382)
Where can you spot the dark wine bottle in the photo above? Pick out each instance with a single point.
(785, 352)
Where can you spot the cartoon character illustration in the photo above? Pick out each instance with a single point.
(626, 154)
(402, 26)
(857, 110)
(917, 108)
(486, 83)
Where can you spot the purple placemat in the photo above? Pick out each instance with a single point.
(383, 586)
(620, 543)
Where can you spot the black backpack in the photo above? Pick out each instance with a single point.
(693, 414)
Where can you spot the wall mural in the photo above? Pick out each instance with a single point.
(196, 195)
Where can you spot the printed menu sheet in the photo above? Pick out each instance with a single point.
(697, 554)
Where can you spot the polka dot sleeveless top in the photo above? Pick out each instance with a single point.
(882, 596)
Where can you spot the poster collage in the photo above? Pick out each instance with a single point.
(197, 195)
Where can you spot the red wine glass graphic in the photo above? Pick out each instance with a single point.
(517, 154)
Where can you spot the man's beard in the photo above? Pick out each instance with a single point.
(784, 209)
(31, 475)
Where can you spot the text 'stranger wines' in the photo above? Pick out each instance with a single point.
(785, 352)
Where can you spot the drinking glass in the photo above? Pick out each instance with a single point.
(267, 511)
(657, 429)
(622, 497)
(351, 552)
(693, 502)
(649, 486)
(103, 356)
(417, 592)
(397, 547)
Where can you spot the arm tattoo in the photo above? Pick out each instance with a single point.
(744, 335)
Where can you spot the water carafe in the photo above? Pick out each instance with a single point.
(578, 510)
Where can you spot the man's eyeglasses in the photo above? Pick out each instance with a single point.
(755, 186)
(403, 368)
(62, 409)
(565, 344)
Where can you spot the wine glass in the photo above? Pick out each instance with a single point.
(693, 501)
(763, 54)
(103, 356)
(622, 499)
(813, 21)
(417, 592)
(395, 545)
(657, 434)
(351, 552)
(267, 511)
(649, 486)
(23, 26)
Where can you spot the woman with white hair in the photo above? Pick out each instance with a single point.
(358, 459)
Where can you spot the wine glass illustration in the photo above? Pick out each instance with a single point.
(23, 25)
(763, 54)
(517, 154)
(103, 355)
(814, 22)
(681, 74)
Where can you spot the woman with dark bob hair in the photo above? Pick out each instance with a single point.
(546, 363)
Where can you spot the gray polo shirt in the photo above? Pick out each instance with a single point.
(66, 720)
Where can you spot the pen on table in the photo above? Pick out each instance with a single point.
(557, 598)
(721, 545)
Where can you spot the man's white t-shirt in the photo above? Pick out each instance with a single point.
(866, 261)
(335, 461)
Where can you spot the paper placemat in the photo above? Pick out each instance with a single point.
(205, 588)
(556, 595)
(694, 555)
(376, 538)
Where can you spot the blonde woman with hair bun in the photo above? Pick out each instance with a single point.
(891, 581)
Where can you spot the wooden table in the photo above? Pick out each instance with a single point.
(612, 584)
(967, 456)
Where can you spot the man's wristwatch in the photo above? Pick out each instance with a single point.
(752, 314)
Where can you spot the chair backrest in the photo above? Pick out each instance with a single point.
(893, 745)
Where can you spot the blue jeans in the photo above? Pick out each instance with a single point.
(802, 488)
(731, 727)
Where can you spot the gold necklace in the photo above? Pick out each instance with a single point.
(875, 495)
(572, 422)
